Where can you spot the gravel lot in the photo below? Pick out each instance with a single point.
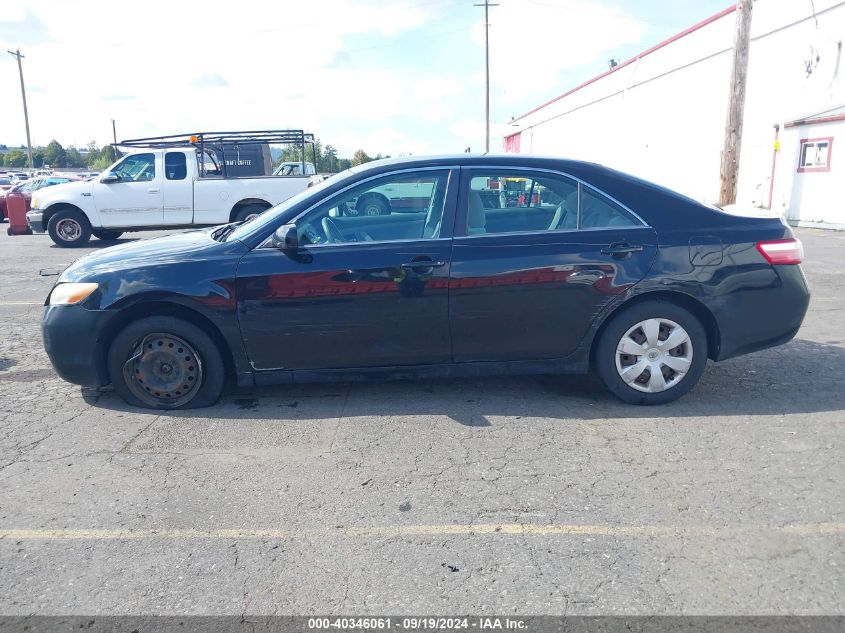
(506, 495)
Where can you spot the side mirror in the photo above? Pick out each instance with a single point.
(286, 238)
(109, 179)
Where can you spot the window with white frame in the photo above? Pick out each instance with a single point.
(814, 154)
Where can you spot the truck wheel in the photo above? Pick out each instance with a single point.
(69, 228)
(162, 362)
(249, 212)
(651, 353)
(372, 205)
(106, 235)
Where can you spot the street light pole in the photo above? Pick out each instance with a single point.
(487, 6)
(18, 56)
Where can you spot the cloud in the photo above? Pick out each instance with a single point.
(28, 29)
(533, 42)
(212, 80)
(404, 76)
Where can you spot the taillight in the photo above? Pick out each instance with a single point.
(782, 252)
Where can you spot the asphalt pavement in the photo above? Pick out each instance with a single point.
(524, 495)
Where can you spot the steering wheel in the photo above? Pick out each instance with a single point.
(332, 231)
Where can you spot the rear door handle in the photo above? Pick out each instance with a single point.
(423, 263)
(621, 248)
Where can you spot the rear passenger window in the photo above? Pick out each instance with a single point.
(519, 201)
(175, 166)
(598, 212)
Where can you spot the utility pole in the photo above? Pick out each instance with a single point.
(114, 132)
(487, 6)
(17, 54)
(729, 171)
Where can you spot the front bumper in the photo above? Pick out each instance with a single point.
(35, 219)
(73, 338)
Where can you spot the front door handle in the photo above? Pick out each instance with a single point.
(620, 249)
(152, 190)
(423, 263)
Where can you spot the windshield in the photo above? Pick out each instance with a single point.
(271, 216)
(30, 185)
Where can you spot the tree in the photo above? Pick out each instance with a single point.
(55, 155)
(104, 158)
(108, 154)
(330, 154)
(16, 158)
(38, 157)
(360, 157)
(73, 158)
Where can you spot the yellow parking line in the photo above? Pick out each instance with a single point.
(420, 530)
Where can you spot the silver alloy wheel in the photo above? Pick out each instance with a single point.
(654, 355)
(69, 230)
(372, 209)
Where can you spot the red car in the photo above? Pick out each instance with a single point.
(26, 188)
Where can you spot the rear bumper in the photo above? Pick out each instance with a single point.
(757, 318)
(72, 339)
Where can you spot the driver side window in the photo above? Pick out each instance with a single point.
(406, 206)
(136, 168)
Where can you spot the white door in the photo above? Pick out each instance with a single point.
(131, 195)
(178, 189)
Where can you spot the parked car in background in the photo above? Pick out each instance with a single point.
(4, 193)
(5, 183)
(27, 188)
(598, 271)
(167, 182)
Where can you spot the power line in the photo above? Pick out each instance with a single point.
(486, 6)
(17, 54)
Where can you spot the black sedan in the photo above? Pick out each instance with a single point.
(474, 266)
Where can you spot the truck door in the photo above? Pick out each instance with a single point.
(130, 194)
(178, 189)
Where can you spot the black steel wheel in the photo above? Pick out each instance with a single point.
(166, 363)
(249, 212)
(106, 235)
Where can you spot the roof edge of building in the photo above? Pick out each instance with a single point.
(666, 42)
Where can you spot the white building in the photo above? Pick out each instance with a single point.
(661, 115)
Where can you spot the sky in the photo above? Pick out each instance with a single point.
(386, 76)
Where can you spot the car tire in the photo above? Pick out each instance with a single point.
(69, 228)
(249, 211)
(179, 367)
(106, 235)
(372, 205)
(647, 327)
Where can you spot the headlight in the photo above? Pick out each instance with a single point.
(70, 293)
(34, 203)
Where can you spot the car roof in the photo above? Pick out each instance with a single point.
(660, 207)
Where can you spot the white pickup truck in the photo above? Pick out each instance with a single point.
(156, 188)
